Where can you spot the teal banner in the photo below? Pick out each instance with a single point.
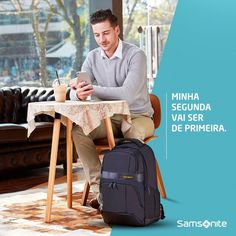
(196, 143)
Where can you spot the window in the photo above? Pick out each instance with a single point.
(36, 40)
(146, 23)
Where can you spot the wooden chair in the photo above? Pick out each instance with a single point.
(101, 145)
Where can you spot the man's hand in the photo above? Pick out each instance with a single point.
(83, 90)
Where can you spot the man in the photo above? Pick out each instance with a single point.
(118, 72)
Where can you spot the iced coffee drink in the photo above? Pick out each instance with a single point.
(60, 89)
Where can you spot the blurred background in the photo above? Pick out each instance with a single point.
(38, 37)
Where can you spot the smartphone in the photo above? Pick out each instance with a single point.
(83, 76)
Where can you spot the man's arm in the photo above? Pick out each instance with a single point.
(133, 84)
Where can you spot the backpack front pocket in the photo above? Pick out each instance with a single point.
(119, 197)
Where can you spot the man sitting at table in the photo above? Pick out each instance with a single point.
(118, 72)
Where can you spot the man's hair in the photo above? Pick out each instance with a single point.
(103, 15)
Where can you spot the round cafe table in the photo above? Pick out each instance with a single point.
(88, 115)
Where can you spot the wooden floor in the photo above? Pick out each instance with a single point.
(22, 180)
(22, 205)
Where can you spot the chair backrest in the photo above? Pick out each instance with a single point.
(157, 110)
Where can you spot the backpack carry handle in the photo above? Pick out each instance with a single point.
(130, 140)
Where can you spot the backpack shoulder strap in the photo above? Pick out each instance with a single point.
(162, 214)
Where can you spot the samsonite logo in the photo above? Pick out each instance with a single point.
(201, 224)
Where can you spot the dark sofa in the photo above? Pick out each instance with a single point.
(17, 152)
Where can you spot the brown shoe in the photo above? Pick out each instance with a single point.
(94, 203)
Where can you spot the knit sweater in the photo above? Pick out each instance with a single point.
(120, 77)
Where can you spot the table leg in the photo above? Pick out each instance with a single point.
(69, 154)
(110, 135)
(52, 169)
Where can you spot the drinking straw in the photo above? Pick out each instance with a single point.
(58, 78)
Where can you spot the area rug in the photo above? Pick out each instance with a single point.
(22, 213)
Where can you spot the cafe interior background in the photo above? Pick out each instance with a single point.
(38, 37)
(35, 38)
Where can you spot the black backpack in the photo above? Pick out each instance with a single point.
(128, 185)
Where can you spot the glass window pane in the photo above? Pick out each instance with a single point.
(146, 23)
(37, 40)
